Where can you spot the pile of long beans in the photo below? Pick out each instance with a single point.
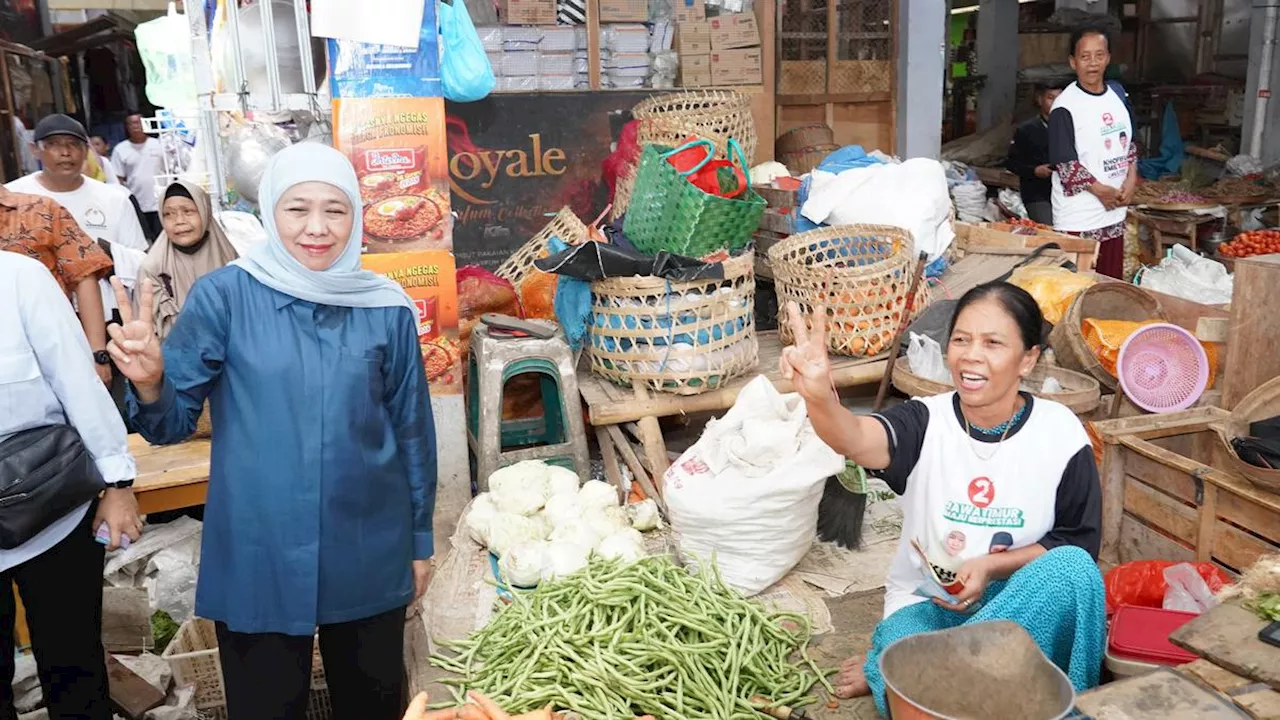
(616, 640)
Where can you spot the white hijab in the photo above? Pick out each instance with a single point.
(343, 283)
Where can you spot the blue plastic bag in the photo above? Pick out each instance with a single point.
(465, 72)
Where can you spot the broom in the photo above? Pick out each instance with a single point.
(844, 497)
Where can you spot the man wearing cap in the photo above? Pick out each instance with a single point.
(103, 212)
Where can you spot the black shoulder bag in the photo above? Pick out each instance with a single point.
(45, 473)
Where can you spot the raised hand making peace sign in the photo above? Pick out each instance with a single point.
(134, 344)
(805, 363)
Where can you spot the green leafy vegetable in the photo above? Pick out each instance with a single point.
(1265, 605)
(163, 628)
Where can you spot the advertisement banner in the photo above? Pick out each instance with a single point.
(428, 277)
(397, 146)
(515, 160)
(364, 70)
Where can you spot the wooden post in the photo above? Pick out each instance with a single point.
(593, 43)
(1112, 500)
(1254, 331)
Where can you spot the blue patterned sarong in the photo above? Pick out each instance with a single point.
(1058, 598)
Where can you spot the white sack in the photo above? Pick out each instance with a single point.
(748, 490)
(911, 195)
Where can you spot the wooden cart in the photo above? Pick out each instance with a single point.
(1166, 494)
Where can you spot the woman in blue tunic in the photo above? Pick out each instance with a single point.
(323, 468)
(999, 489)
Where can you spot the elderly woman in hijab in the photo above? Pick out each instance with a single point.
(323, 472)
(192, 245)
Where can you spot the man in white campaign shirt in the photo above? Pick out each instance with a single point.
(138, 160)
(103, 211)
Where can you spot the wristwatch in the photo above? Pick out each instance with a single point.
(121, 485)
(102, 357)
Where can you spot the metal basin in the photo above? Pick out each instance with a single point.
(985, 671)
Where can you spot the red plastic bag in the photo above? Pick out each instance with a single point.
(1141, 582)
(624, 158)
(480, 292)
(694, 161)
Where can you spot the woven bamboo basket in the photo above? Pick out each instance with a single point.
(1262, 403)
(671, 119)
(565, 226)
(805, 160)
(805, 136)
(1106, 301)
(869, 268)
(677, 337)
(1079, 392)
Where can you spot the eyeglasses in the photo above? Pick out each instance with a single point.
(63, 143)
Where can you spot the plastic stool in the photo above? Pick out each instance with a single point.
(559, 433)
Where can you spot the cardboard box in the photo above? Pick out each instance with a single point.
(529, 12)
(686, 11)
(695, 70)
(738, 30)
(737, 67)
(624, 11)
(693, 38)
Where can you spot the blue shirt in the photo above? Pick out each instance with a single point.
(322, 479)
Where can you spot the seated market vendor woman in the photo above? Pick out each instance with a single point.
(323, 469)
(995, 483)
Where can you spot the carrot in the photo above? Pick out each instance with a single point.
(490, 707)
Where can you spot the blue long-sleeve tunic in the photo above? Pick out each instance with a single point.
(323, 471)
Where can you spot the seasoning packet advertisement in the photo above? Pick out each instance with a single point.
(397, 146)
(428, 277)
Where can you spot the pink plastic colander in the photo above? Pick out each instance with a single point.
(1162, 368)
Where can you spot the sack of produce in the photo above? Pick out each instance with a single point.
(747, 492)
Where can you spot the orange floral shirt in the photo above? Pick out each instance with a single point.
(39, 227)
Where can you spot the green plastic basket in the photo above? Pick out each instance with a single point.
(667, 212)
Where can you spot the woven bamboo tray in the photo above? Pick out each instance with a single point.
(1262, 403)
(1079, 392)
(565, 226)
(677, 337)
(671, 119)
(1106, 301)
(869, 269)
(805, 136)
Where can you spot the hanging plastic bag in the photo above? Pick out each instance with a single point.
(924, 356)
(164, 44)
(465, 72)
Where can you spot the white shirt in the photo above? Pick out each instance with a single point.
(104, 212)
(47, 378)
(1100, 130)
(968, 491)
(109, 170)
(139, 165)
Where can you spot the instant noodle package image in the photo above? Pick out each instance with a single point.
(428, 277)
(397, 146)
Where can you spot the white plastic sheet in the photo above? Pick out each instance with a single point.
(911, 195)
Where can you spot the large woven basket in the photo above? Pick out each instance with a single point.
(193, 657)
(806, 136)
(672, 118)
(1106, 301)
(1079, 391)
(678, 337)
(1261, 404)
(805, 160)
(869, 269)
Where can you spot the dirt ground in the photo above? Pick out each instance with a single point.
(854, 616)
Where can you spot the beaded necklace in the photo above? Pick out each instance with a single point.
(1003, 427)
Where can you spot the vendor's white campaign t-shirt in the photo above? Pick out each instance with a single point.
(963, 496)
(103, 212)
(1100, 130)
(139, 165)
